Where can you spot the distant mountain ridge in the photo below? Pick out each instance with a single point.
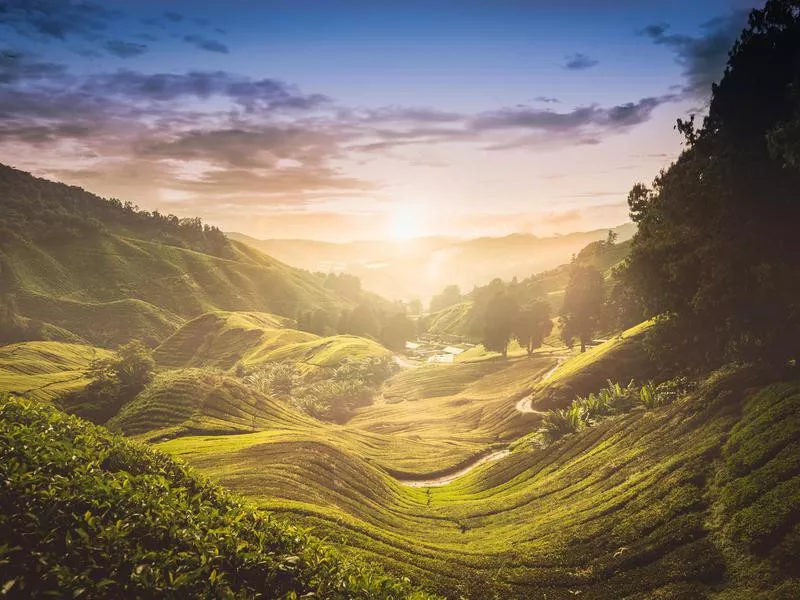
(422, 267)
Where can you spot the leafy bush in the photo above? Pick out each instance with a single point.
(115, 381)
(334, 400)
(274, 379)
(86, 514)
(373, 371)
(560, 422)
(613, 399)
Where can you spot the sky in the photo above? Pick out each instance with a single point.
(360, 119)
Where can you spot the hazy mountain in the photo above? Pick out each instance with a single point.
(422, 267)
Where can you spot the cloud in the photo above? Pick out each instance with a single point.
(17, 67)
(256, 147)
(173, 16)
(547, 100)
(206, 44)
(124, 49)
(579, 62)
(621, 116)
(255, 95)
(55, 19)
(703, 57)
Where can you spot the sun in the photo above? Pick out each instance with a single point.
(407, 221)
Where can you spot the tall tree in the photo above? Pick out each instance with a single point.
(716, 252)
(583, 305)
(532, 325)
(396, 331)
(499, 319)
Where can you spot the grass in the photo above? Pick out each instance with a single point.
(201, 401)
(632, 507)
(110, 288)
(225, 339)
(87, 514)
(695, 498)
(45, 370)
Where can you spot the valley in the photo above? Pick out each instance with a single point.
(403, 414)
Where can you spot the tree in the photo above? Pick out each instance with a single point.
(583, 305)
(499, 319)
(532, 325)
(396, 331)
(415, 307)
(134, 367)
(450, 295)
(363, 321)
(115, 381)
(715, 254)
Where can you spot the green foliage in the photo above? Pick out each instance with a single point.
(274, 379)
(583, 305)
(560, 422)
(715, 250)
(614, 399)
(87, 514)
(500, 317)
(396, 331)
(37, 210)
(114, 382)
(533, 325)
(351, 385)
(334, 400)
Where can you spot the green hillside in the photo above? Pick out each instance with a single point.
(45, 370)
(223, 339)
(125, 273)
(69, 490)
(201, 401)
(632, 507)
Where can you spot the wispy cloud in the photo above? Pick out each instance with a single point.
(204, 43)
(579, 62)
(702, 56)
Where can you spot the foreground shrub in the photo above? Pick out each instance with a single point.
(614, 399)
(85, 514)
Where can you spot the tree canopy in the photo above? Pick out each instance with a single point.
(716, 253)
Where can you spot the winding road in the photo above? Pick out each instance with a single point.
(450, 477)
(525, 405)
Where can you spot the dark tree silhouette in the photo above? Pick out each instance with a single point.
(532, 325)
(583, 305)
(716, 253)
(499, 320)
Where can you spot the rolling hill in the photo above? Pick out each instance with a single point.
(106, 273)
(649, 503)
(223, 339)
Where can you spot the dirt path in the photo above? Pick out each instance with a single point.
(449, 478)
(525, 405)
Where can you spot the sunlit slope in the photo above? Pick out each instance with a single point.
(223, 339)
(45, 370)
(110, 288)
(201, 401)
(88, 514)
(220, 339)
(697, 497)
(622, 358)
